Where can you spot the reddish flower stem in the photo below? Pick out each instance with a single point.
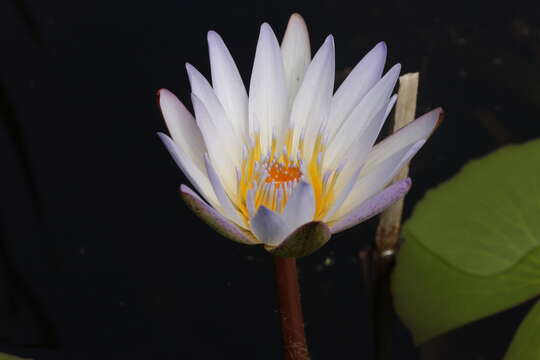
(290, 310)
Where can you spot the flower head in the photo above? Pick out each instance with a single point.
(293, 162)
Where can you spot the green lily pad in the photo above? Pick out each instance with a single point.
(432, 297)
(526, 343)
(486, 218)
(472, 244)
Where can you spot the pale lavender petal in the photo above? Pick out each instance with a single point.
(373, 206)
(300, 206)
(373, 181)
(269, 226)
(214, 219)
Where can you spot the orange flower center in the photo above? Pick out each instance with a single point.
(279, 173)
(268, 179)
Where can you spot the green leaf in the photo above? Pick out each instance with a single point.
(526, 343)
(485, 219)
(472, 244)
(432, 297)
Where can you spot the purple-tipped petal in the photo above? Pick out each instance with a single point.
(214, 219)
(373, 206)
(303, 241)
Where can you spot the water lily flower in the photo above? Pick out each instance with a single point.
(292, 162)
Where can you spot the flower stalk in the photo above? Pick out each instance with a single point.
(388, 230)
(290, 309)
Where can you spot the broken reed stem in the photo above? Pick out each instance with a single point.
(387, 236)
(390, 221)
(290, 310)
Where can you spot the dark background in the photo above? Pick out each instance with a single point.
(99, 257)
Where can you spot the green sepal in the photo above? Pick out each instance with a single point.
(303, 241)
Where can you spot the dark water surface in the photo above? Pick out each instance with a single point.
(99, 258)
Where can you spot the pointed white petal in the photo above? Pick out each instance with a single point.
(214, 218)
(226, 205)
(196, 176)
(372, 181)
(182, 127)
(269, 226)
(300, 207)
(204, 92)
(219, 149)
(268, 101)
(312, 103)
(373, 206)
(355, 157)
(419, 129)
(361, 79)
(202, 89)
(390, 106)
(296, 52)
(343, 194)
(359, 118)
(227, 84)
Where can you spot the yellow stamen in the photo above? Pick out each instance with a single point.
(273, 176)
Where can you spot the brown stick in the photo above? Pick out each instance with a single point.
(387, 237)
(290, 309)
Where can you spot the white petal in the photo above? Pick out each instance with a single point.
(361, 79)
(390, 106)
(204, 92)
(219, 150)
(300, 207)
(196, 176)
(226, 205)
(354, 158)
(372, 181)
(269, 226)
(373, 206)
(268, 101)
(182, 127)
(359, 118)
(312, 103)
(343, 194)
(202, 89)
(419, 129)
(227, 84)
(296, 52)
